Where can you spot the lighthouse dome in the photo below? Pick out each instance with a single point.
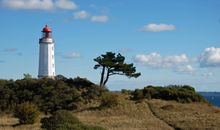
(46, 29)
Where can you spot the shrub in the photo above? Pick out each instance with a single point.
(183, 94)
(138, 94)
(109, 99)
(48, 94)
(27, 113)
(126, 91)
(65, 120)
(60, 118)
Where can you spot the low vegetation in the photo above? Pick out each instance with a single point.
(47, 94)
(65, 120)
(79, 104)
(191, 116)
(127, 115)
(182, 94)
(27, 113)
(109, 99)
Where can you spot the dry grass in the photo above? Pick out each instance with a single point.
(7, 122)
(129, 115)
(192, 116)
(126, 116)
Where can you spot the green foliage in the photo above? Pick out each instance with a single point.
(126, 91)
(112, 64)
(65, 120)
(109, 100)
(7, 96)
(27, 76)
(48, 94)
(183, 94)
(27, 113)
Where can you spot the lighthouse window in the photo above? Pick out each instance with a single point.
(52, 48)
(52, 56)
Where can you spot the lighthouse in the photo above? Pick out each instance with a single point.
(46, 54)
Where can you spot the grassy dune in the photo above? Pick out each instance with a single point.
(8, 122)
(145, 115)
(128, 115)
(190, 116)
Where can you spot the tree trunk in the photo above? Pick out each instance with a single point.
(102, 76)
(107, 77)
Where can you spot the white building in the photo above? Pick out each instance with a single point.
(46, 55)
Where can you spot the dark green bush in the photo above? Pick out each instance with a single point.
(65, 120)
(27, 113)
(138, 94)
(61, 118)
(48, 94)
(126, 91)
(109, 99)
(183, 94)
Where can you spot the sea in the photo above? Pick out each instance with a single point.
(212, 97)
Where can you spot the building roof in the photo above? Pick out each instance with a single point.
(46, 29)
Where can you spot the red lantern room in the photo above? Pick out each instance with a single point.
(46, 32)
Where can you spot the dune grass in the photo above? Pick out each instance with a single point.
(190, 116)
(8, 122)
(128, 115)
(144, 115)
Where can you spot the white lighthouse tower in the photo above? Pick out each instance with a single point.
(46, 56)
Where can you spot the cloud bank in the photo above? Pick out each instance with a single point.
(209, 59)
(177, 63)
(38, 4)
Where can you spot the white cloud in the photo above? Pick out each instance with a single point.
(210, 57)
(81, 15)
(38, 4)
(158, 27)
(185, 69)
(72, 55)
(65, 4)
(100, 19)
(155, 60)
(177, 63)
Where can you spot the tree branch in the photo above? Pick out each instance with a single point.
(116, 74)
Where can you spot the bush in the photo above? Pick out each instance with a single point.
(109, 99)
(27, 113)
(183, 94)
(126, 91)
(60, 118)
(48, 94)
(64, 120)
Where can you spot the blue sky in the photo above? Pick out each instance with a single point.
(170, 41)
